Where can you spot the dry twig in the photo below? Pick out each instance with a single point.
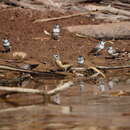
(40, 73)
(101, 67)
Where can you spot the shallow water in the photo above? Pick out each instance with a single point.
(84, 106)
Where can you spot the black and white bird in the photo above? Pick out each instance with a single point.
(6, 45)
(56, 32)
(60, 64)
(100, 46)
(80, 60)
(112, 52)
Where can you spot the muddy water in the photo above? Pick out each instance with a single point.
(100, 106)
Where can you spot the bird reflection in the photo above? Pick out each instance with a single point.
(56, 99)
(82, 86)
(100, 46)
(101, 85)
(80, 60)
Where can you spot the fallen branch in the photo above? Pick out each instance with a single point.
(112, 67)
(39, 73)
(62, 17)
(21, 90)
(108, 8)
(100, 67)
(58, 89)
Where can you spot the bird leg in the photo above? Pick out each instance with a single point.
(97, 70)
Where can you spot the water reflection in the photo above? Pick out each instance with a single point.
(82, 86)
(70, 106)
(56, 99)
(104, 85)
(101, 85)
(111, 84)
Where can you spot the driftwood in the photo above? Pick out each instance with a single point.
(107, 8)
(62, 17)
(112, 67)
(38, 73)
(106, 31)
(21, 90)
(109, 17)
(58, 89)
(101, 68)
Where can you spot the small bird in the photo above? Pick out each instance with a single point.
(63, 66)
(112, 52)
(100, 46)
(56, 32)
(80, 60)
(29, 66)
(6, 45)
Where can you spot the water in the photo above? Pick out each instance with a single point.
(84, 106)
